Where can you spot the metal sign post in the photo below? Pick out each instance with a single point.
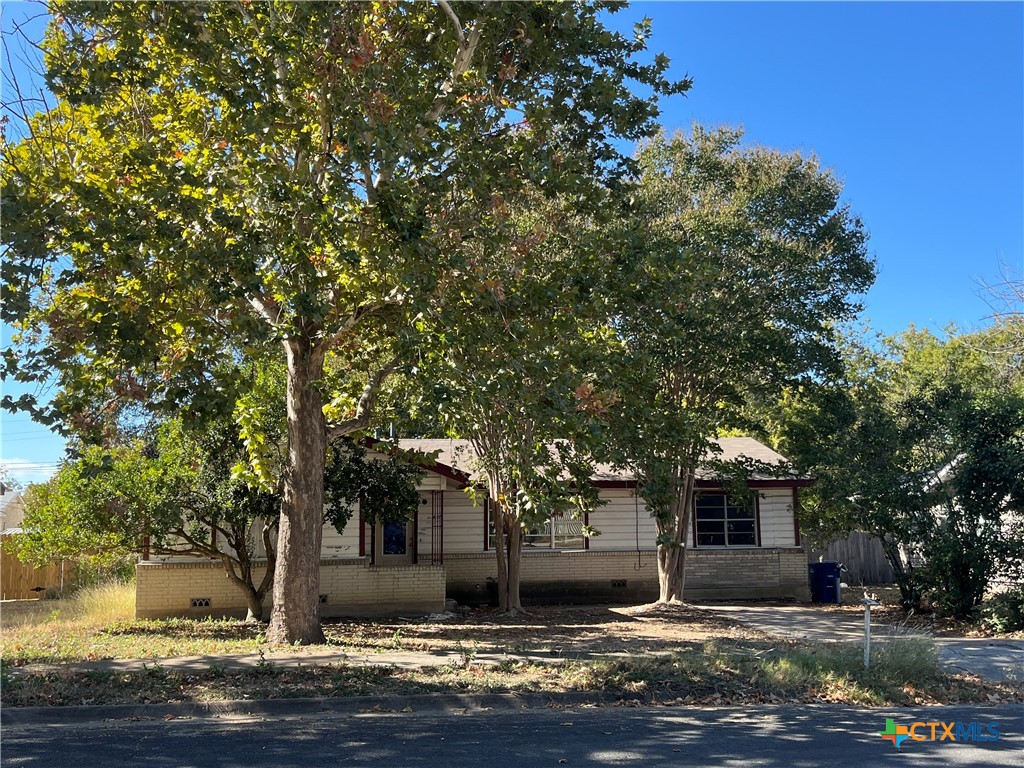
(867, 602)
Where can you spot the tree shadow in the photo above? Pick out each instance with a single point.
(768, 737)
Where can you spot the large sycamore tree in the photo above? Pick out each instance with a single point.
(216, 175)
(742, 260)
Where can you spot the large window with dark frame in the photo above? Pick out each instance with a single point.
(724, 522)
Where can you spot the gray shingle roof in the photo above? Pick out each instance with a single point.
(459, 455)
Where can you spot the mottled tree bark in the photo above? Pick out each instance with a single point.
(508, 550)
(295, 617)
(672, 557)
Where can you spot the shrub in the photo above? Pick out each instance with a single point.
(1004, 612)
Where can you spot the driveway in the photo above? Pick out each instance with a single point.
(991, 658)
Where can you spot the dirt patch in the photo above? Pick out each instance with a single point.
(559, 630)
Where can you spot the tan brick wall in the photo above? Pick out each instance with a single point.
(353, 588)
(578, 575)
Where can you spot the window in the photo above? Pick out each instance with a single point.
(560, 532)
(563, 531)
(722, 522)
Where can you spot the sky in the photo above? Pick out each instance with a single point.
(918, 108)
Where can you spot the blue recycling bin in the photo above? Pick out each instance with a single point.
(824, 582)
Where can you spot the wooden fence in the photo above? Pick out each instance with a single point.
(19, 581)
(862, 558)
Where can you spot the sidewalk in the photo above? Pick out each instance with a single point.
(993, 659)
(294, 659)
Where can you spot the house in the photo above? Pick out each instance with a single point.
(12, 511)
(445, 550)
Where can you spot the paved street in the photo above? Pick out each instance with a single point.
(765, 736)
(992, 658)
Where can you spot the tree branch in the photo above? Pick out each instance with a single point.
(364, 408)
(463, 58)
(263, 306)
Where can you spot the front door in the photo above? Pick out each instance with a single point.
(394, 544)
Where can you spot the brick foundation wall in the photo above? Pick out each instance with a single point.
(620, 576)
(353, 588)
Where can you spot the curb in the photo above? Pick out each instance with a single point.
(352, 705)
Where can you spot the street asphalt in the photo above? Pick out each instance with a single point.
(792, 736)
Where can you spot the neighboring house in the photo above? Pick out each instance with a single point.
(744, 551)
(12, 511)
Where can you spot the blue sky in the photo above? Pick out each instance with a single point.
(917, 107)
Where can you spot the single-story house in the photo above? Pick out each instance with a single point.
(446, 551)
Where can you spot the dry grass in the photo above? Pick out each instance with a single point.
(97, 622)
(90, 606)
(68, 634)
(718, 674)
(670, 655)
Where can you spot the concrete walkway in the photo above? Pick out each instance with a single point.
(991, 658)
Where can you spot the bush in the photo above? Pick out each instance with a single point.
(1004, 612)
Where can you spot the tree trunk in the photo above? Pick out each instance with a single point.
(672, 557)
(513, 604)
(903, 572)
(508, 550)
(295, 617)
(501, 554)
(254, 604)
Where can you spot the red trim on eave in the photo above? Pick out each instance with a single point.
(437, 468)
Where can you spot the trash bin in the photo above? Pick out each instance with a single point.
(824, 581)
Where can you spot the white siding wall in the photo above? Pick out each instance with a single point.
(617, 521)
(777, 527)
(342, 544)
(463, 524)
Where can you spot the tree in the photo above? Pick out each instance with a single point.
(173, 492)
(927, 453)
(218, 176)
(742, 260)
(964, 413)
(511, 362)
(843, 432)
